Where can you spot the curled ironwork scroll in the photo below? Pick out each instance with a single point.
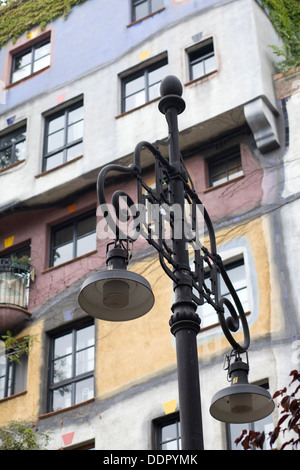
(207, 264)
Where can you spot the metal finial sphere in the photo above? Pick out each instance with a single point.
(171, 91)
(170, 85)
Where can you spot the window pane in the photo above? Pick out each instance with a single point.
(62, 366)
(54, 161)
(9, 139)
(169, 432)
(135, 100)
(85, 337)
(5, 157)
(62, 369)
(42, 51)
(63, 345)
(172, 445)
(135, 85)
(74, 151)
(75, 115)
(84, 390)
(75, 131)
(56, 124)
(86, 244)
(20, 150)
(2, 387)
(62, 398)
(140, 11)
(219, 179)
(156, 76)
(210, 64)
(63, 254)
(86, 226)
(63, 235)
(237, 275)
(55, 141)
(197, 70)
(41, 63)
(21, 73)
(154, 91)
(23, 61)
(85, 360)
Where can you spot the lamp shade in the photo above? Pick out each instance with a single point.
(241, 402)
(116, 295)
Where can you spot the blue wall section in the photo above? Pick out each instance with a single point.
(87, 40)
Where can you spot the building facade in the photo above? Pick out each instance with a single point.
(80, 93)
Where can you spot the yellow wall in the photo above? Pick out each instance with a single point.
(132, 352)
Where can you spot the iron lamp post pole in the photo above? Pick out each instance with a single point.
(184, 322)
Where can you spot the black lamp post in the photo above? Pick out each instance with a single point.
(118, 295)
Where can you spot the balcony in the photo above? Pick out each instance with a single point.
(15, 278)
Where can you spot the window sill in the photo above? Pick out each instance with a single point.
(199, 79)
(13, 165)
(136, 109)
(214, 325)
(53, 413)
(34, 74)
(44, 173)
(226, 183)
(66, 263)
(16, 395)
(145, 17)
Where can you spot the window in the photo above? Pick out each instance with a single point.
(237, 274)
(63, 136)
(31, 60)
(73, 238)
(71, 367)
(166, 432)
(142, 8)
(13, 375)
(143, 85)
(21, 254)
(233, 431)
(202, 60)
(12, 147)
(226, 168)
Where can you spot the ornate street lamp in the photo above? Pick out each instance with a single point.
(118, 295)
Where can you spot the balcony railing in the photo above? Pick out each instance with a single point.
(14, 283)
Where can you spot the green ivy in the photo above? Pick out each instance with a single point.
(285, 17)
(20, 435)
(20, 16)
(16, 348)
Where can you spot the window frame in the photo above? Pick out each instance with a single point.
(8, 377)
(20, 128)
(150, 12)
(230, 263)
(198, 52)
(12, 377)
(74, 379)
(225, 157)
(159, 423)
(24, 51)
(62, 112)
(141, 72)
(70, 222)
